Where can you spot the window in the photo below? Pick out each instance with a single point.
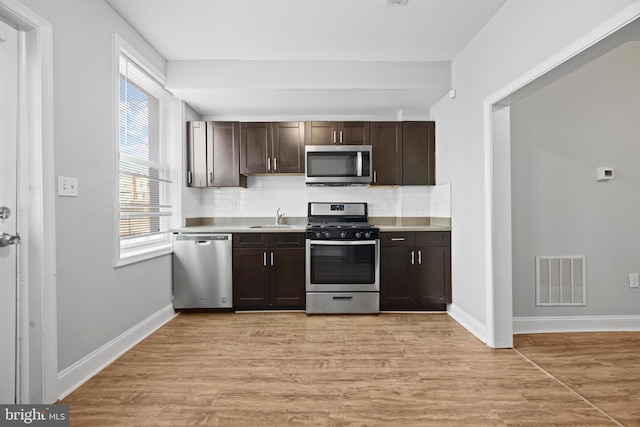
(146, 198)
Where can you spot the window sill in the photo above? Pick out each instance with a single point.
(132, 256)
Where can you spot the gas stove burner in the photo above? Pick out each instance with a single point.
(340, 221)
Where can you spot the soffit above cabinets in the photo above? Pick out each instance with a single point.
(309, 31)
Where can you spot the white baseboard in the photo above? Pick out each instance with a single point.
(77, 374)
(536, 325)
(468, 322)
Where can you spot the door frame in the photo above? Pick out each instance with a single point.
(497, 144)
(37, 314)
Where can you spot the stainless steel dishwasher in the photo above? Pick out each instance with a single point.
(202, 271)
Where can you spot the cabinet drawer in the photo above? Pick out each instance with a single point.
(396, 238)
(433, 238)
(250, 240)
(286, 240)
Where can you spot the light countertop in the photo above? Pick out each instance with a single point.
(298, 225)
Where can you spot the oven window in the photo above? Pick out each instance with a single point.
(342, 264)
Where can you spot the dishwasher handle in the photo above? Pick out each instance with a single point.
(202, 239)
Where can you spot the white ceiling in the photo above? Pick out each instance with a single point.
(308, 30)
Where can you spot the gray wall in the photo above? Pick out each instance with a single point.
(559, 136)
(96, 302)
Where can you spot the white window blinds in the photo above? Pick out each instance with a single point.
(144, 181)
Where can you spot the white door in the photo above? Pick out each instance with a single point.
(8, 208)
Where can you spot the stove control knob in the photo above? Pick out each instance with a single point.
(326, 234)
(343, 234)
(358, 234)
(318, 234)
(367, 234)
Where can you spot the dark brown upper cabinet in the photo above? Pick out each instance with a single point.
(213, 155)
(403, 153)
(271, 147)
(288, 147)
(345, 133)
(386, 148)
(418, 153)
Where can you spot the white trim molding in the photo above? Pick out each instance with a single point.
(544, 324)
(80, 372)
(468, 322)
(37, 349)
(497, 163)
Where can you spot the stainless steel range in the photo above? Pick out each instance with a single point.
(343, 259)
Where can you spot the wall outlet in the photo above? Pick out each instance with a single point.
(634, 280)
(67, 186)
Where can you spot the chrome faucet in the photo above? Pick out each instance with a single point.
(279, 216)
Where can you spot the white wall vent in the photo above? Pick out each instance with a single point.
(561, 281)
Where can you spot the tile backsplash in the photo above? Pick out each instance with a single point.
(265, 194)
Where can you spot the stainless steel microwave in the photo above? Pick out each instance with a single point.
(338, 164)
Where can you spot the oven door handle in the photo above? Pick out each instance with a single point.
(343, 242)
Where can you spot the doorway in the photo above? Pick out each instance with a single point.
(34, 300)
(8, 212)
(611, 34)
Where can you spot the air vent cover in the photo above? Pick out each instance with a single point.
(561, 281)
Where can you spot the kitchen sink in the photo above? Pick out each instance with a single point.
(272, 226)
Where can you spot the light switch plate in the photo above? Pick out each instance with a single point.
(634, 280)
(67, 187)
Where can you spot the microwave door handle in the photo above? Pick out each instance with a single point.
(359, 164)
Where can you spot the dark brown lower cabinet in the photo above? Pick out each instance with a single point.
(415, 270)
(268, 270)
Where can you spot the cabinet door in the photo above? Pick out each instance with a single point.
(320, 133)
(288, 147)
(250, 278)
(418, 153)
(197, 154)
(255, 148)
(433, 273)
(287, 276)
(354, 133)
(397, 283)
(223, 155)
(386, 147)
(433, 277)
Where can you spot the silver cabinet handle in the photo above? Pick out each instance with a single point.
(268, 163)
(413, 257)
(334, 136)
(8, 239)
(397, 239)
(271, 259)
(210, 177)
(419, 257)
(341, 141)
(189, 178)
(264, 258)
(275, 164)
(375, 177)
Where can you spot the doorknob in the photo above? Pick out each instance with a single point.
(5, 212)
(8, 239)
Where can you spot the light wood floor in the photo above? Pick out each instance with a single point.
(264, 369)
